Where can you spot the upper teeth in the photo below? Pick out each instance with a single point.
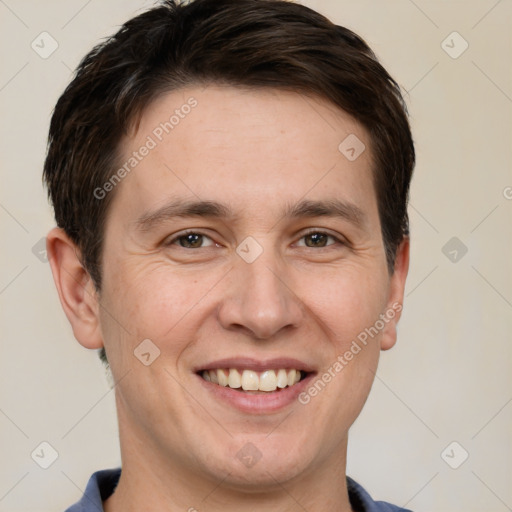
(249, 380)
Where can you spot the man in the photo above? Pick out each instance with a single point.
(230, 183)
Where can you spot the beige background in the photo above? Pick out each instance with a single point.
(449, 377)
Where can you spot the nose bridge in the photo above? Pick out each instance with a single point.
(259, 299)
(264, 283)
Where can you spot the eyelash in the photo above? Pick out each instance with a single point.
(176, 238)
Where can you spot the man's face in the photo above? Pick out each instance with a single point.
(278, 264)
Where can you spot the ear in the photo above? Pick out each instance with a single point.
(396, 295)
(77, 292)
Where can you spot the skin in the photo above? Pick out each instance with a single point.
(256, 151)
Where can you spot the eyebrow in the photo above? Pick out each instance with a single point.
(328, 208)
(212, 209)
(180, 208)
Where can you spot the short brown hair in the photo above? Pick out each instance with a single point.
(249, 43)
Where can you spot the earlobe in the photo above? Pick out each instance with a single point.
(396, 295)
(77, 292)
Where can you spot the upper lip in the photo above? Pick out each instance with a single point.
(248, 363)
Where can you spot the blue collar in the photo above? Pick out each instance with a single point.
(102, 484)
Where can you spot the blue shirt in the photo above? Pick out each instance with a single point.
(102, 484)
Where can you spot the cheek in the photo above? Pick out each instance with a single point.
(153, 302)
(347, 302)
(348, 305)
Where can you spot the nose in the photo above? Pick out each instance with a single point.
(260, 300)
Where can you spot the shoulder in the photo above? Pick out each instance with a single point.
(361, 501)
(100, 486)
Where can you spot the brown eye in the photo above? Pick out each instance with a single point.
(316, 239)
(191, 240)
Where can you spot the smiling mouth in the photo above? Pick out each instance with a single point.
(249, 380)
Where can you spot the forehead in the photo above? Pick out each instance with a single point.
(245, 147)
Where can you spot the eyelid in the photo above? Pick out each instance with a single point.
(313, 231)
(172, 239)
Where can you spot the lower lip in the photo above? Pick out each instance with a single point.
(260, 403)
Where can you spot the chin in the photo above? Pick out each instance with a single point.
(262, 477)
(259, 465)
